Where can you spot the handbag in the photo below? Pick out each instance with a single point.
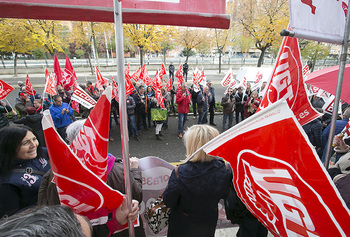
(157, 215)
(158, 114)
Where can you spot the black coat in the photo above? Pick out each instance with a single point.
(194, 196)
(34, 122)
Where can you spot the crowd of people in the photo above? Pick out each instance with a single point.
(29, 197)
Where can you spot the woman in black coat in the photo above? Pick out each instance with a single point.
(194, 191)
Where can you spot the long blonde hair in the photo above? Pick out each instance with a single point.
(195, 137)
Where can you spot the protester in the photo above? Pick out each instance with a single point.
(185, 70)
(115, 179)
(194, 95)
(4, 110)
(203, 99)
(339, 125)
(240, 100)
(313, 130)
(32, 120)
(211, 103)
(159, 123)
(171, 71)
(65, 95)
(23, 102)
(47, 102)
(142, 104)
(196, 187)
(38, 106)
(173, 96)
(248, 90)
(183, 100)
(89, 88)
(22, 165)
(317, 102)
(61, 113)
(130, 106)
(228, 103)
(167, 100)
(251, 105)
(52, 221)
(151, 97)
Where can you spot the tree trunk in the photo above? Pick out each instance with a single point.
(220, 62)
(141, 57)
(91, 67)
(15, 64)
(3, 62)
(261, 58)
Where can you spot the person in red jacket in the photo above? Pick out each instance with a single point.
(183, 100)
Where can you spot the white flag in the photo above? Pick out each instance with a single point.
(318, 20)
(83, 98)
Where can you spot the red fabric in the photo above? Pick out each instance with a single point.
(50, 84)
(136, 75)
(29, 88)
(5, 89)
(58, 71)
(100, 80)
(169, 85)
(183, 101)
(69, 75)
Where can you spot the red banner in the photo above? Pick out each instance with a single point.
(69, 75)
(29, 88)
(136, 75)
(58, 71)
(281, 180)
(287, 82)
(50, 84)
(5, 89)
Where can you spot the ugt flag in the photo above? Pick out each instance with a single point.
(5, 89)
(279, 177)
(78, 186)
(318, 20)
(287, 82)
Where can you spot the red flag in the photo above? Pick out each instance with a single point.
(69, 75)
(202, 78)
(115, 93)
(306, 70)
(179, 75)
(129, 87)
(162, 70)
(144, 76)
(58, 71)
(160, 99)
(100, 80)
(127, 69)
(169, 85)
(287, 82)
(29, 88)
(281, 180)
(5, 89)
(50, 84)
(75, 106)
(78, 186)
(136, 75)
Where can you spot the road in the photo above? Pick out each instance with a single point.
(170, 149)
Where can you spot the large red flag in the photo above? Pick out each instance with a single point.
(162, 70)
(281, 180)
(5, 89)
(136, 75)
(58, 71)
(287, 82)
(29, 88)
(50, 84)
(160, 99)
(144, 76)
(179, 75)
(78, 186)
(129, 87)
(100, 80)
(69, 75)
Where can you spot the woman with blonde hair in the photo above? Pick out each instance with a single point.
(196, 187)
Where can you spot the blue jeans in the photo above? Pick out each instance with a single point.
(224, 119)
(202, 117)
(132, 125)
(182, 121)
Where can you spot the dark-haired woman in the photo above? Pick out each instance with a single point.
(22, 166)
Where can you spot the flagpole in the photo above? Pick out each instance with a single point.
(8, 104)
(118, 23)
(343, 56)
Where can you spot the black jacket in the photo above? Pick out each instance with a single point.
(34, 122)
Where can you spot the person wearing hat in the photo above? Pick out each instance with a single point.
(23, 102)
(32, 120)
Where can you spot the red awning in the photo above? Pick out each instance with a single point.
(199, 13)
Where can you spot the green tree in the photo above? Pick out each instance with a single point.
(263, 20)
(313, 51)
(16, 38)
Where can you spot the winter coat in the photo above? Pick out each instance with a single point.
(3, 119)
(203, 105)
(34, 122)
(240, 101)
(183, 102)
(22, 105)
(228, 106)
(61, 120)
(193, 197)
(313, 130)
(130, 105)
(141, 107)
(20, 189)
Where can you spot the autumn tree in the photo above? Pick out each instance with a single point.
(222, 39)
(167, 41)
(190, 38)
(263, 20)
(146, 37)
(16, 38)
